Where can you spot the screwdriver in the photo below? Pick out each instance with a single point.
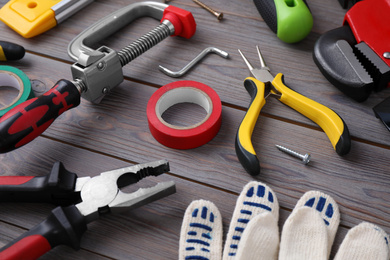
(10, 51)
(291, 20)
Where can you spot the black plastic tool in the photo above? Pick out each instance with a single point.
(355, 57)
(11, 51)
(290, 20)
(382, 111)
(346, 3)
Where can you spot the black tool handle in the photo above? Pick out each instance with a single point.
(290, 20)
(244, 148)
(11, 51)
(31, 118)
(58, 187)
(64, 226)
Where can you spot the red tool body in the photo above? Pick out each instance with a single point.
(30, 119)
(356, 57)
(369, 21)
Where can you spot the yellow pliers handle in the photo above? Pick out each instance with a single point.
(244, 148)
(332, 124)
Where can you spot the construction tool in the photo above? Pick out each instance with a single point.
(347, 3)
(356, 57)
(177, 74)
(95, 73)
(290, 20)
(382, 111)
(31, 18)
(263, 85)
(11, 51)
(82, 201)
(208, 8)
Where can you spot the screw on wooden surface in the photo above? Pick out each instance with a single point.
(305, 158)
(217, 14)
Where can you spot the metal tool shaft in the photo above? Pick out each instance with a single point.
(176, 74)
(146, 42)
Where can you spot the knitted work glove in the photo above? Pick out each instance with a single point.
(308, 233)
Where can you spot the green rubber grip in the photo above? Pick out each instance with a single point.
(291, 20)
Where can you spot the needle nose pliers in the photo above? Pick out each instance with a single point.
(262, 85)
(82, 201)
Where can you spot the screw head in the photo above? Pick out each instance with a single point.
(101, 65)
(105, 90)
(306, 158)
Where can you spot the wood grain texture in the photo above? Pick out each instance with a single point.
(93, 138)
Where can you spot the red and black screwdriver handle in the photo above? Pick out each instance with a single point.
(57, 187)
(64, 226)
(31, 118)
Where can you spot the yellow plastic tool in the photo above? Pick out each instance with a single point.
(32, 17)
(263, 85)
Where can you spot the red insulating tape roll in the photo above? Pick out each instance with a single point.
(183, 92)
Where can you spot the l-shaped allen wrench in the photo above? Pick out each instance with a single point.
(95, 73)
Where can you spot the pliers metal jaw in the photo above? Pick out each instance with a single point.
(102, 194)
(262, 85)
(356, 57)
(92, 197)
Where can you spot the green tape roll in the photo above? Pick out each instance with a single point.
(13, 77)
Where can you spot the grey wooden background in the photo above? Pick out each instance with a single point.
(94, 138)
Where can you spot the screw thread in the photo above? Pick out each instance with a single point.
(143, 44)
(289, 151)
(208, 8)
(80, 85)
(305, 158)
(204, 6)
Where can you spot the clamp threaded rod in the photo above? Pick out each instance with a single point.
(146, 42)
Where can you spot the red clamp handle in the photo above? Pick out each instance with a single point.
(28, 120)
(182, 20)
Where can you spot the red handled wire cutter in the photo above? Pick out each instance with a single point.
(82, 201)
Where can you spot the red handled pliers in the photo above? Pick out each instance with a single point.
(82, 201)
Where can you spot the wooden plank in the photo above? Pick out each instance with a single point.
(116, 129)
(94, 138)
(150, 232)
(226, 76)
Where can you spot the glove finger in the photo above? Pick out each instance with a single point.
(255, 198)
(260, 240)
(201, 232)
(304, 236)
(327, 222)
(366, 241)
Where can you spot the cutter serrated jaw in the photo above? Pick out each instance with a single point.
(102, 192)
(141, 197)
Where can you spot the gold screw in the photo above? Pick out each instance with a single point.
(218, 15)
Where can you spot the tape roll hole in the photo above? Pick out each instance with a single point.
(184, 108)
(11, 89)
